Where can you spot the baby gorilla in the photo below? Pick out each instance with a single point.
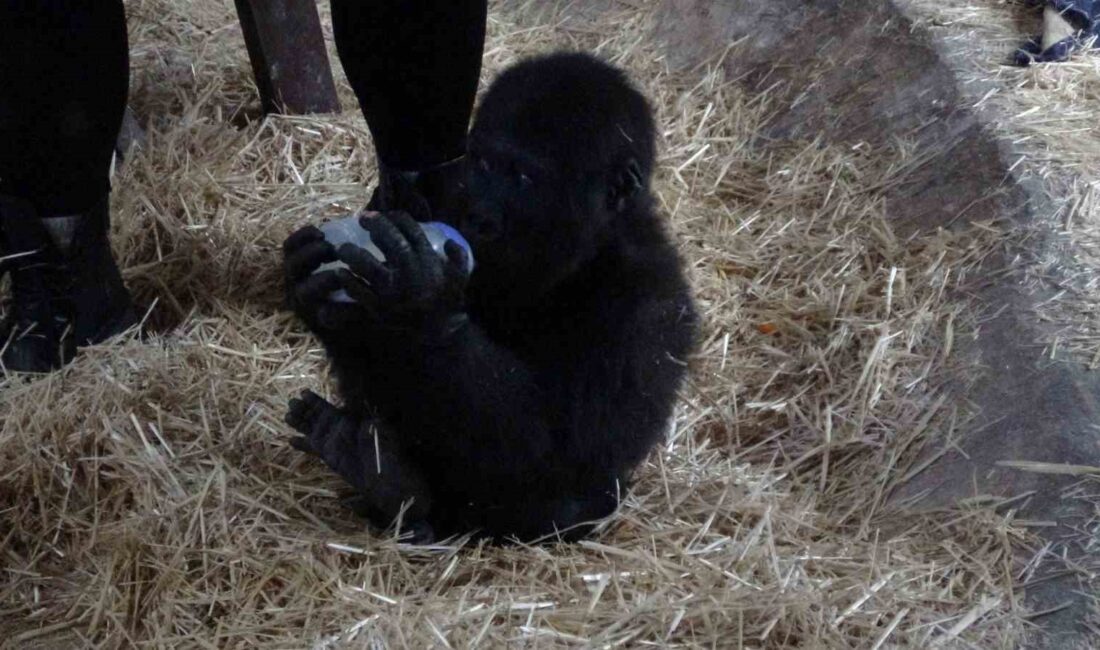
(516, 402)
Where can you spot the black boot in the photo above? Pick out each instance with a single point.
(434, 194)
(66, 290)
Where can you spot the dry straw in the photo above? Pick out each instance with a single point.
(1048, 115)
(148, 496)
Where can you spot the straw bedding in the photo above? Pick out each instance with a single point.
(148, 495)
(1047, 115)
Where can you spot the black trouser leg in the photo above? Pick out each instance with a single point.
(414, 65)
(64, 72)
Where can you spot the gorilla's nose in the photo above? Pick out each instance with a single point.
(481, 227)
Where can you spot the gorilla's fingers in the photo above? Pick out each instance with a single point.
(335, 438)
(319, 416)
(321, 422)
(316, 288)
(295, 415)
(326, 423)
(308, 257)
(365, 295)
(366, 266)
(311, 400)
(456, 256)
(301, 237)
(302, 411)
(393, 244)
(413, 233)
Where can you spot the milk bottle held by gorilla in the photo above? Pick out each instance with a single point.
(348, 231)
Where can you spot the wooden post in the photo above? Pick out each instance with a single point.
(288, 56)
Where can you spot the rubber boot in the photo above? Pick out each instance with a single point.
(434, 194)
(66, 289)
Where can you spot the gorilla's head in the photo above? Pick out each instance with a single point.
(560, 154)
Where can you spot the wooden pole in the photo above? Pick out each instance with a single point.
(289, 61)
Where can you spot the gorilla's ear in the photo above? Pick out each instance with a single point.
(626, 181)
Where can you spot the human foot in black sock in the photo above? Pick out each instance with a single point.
(437, 193)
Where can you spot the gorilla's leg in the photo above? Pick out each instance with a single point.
(414, 65)
(364, 453)
(63, 83)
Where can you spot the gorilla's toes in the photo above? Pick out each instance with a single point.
(305, 410)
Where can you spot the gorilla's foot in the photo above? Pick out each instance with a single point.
(67, 291)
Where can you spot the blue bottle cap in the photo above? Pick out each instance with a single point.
(449, 232)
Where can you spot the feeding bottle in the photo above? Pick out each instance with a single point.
(348, 231)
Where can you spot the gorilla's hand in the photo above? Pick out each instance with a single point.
(303, 251)
(308, 293)
(415, 291)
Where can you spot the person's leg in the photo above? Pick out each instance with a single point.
(64, 72)
(414, 65)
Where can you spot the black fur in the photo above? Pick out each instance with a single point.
(516, 405)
